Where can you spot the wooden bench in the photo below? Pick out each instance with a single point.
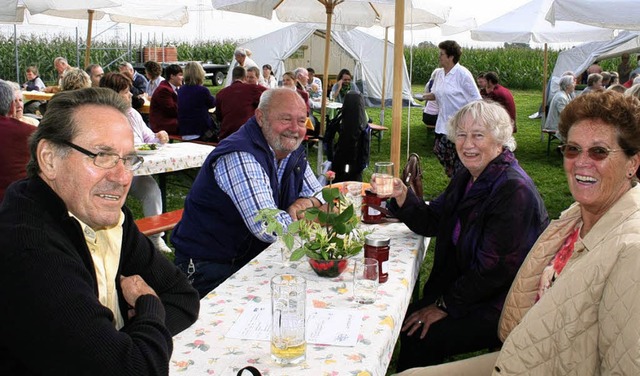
(377, 131)
(175, 137)
(551, 134)
(159, 223)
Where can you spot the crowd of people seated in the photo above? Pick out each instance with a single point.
(541, 295)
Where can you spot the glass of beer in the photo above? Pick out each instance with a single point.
(288, 299)
(383, 178)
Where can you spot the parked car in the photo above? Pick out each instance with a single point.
(215, 72)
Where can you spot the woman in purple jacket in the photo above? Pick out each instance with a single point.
(194, 102)
(485, 222)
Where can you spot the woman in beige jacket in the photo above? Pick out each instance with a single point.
(574, 307)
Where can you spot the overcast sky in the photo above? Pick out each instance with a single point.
(218, 25)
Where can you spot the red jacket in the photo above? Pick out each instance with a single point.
(163, 113)
(235, 104)
(14, 151)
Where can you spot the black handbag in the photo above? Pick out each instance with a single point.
(412, 174)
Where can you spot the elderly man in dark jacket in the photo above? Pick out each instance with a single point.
(82, 291)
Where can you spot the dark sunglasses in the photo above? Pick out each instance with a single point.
(597, 153)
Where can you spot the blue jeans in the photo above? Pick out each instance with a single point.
(204, 275)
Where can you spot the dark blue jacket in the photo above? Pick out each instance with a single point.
(194, 102)
(501, 217)
(212, 228)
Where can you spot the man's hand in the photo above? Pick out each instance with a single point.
(134, 287)
(296, 209)
(422, 319)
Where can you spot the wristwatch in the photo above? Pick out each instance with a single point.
(440, 304)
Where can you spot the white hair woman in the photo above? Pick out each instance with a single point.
(485, 223)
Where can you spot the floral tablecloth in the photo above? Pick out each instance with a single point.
(203, 349)
(174, 157)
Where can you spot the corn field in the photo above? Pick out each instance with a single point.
(517, 67)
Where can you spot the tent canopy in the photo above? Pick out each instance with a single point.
(527, 24)
(293, 46)
(578, 59)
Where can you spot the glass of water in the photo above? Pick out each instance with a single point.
(365, 280)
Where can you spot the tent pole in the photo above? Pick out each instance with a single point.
(87, 51)
(544, 91)
(325, 76)
(15, 45)
(384, 75)
(398, 64)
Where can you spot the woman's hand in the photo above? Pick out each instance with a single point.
(163, 137)
(399, 190)
(422, 320)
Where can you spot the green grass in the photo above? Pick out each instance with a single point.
(546, 171)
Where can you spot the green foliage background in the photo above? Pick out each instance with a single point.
(518, 67)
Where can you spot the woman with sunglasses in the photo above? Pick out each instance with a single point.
(574, 306)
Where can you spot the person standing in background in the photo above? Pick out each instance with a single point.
(624, 68)
(455, 87)
(502, 95)
(430, 111)
(242, 56)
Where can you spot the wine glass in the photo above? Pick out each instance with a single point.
(383, 178)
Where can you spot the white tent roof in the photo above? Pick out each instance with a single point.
(366, 51)
(527, 24)
(614, 14)
(578, 58)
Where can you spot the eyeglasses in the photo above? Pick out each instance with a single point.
(597, 153)
(109, 160)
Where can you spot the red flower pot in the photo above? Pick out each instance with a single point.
(328, 268)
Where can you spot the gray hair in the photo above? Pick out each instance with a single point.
(266, 99)
(489, 114)
(299, 71)
(566, 81)
(6, 97)
(59, 124)
(241, 51)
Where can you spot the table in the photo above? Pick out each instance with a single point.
(36, 96)
(170, 158)
(204, 349)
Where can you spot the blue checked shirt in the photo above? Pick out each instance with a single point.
(241, 177)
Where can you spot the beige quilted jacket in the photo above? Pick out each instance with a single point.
(588, 322)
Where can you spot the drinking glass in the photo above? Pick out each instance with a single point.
(354, 195)
(365, 280)
(288, 299)
(383, 177)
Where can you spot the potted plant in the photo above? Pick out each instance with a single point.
(328, 236)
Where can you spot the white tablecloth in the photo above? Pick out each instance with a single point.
(174, 157)
(203, 348)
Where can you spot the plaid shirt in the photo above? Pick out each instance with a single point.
(241, 177)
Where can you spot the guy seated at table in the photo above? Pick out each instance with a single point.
(262, 165)
(76, 275)
(236, 103)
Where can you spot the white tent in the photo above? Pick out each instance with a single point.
(296, 45)
(527, 24)
(614, 14)
(578, 59)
